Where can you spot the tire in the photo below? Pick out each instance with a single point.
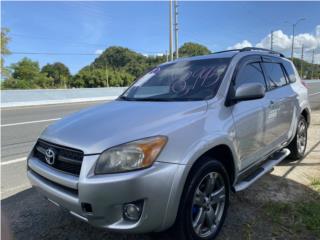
(298, 145)
(195, 208)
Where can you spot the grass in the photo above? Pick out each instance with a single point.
(315, 184)
(296, 217)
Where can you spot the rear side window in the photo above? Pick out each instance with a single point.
(275, 75)
(290, 71)
(250, 73)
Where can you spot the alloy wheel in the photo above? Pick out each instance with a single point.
(301, 137)
(208, 204)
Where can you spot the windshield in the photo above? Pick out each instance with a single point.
(179, 81)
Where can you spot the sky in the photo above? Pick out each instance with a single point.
(88, 28)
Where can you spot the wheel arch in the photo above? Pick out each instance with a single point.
(217, 152)
(306, 114)
(221, 153)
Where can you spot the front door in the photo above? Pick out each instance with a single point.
(249, 116)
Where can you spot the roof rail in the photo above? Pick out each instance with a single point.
(261, 49)
(231, 50)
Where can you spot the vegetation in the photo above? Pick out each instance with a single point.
(296, 216)
(4, 51)
(315, 184)
(26, 74)
(58, 73)
(116, 66)
(193, 49)
(307, 69)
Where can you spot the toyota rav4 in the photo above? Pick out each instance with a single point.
(169, 150)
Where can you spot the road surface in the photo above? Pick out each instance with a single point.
(26, 214)
(21, 126)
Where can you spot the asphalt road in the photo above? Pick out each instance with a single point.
(34, 217)
(20, 128)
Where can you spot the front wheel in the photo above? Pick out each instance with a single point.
(204, 203)
(299, 143)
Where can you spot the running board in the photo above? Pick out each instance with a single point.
(262, 170)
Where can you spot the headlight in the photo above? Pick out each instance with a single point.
(130, 156)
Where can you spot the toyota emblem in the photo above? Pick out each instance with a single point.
(50, 156)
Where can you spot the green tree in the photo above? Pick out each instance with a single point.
(4, 51)
(117, 57)
(94, 77)
(190, 49)
(26, 69)
(58, 72)
(26, 74)
(307, 69)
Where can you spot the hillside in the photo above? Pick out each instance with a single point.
(115, 67)
(307, 69)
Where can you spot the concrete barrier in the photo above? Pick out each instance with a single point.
(18, 98)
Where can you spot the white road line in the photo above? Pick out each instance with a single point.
(314, 94)
(30, 122)
(13, 161)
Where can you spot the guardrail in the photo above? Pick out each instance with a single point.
(18, 98)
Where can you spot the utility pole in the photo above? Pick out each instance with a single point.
(107, 75)
(170, 31)
(293, 30)
(292, 45)
(312, 64)
(301, 66)
(176, 27)
(271, 41)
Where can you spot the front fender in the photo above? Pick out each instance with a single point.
(194, 153)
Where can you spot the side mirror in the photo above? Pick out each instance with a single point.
(249, 91)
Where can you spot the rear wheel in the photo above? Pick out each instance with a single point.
(204, 202)
(299, 143)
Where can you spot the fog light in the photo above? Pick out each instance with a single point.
(132, 211)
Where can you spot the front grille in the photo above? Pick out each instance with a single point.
(66, 159)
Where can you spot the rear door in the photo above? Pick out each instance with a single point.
(279, 103)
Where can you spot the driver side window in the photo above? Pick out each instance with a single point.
(250, 73)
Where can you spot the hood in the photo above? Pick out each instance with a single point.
(96, 129)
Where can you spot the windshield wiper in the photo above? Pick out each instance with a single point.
(125, 98)
(159, 99)
(153, 99)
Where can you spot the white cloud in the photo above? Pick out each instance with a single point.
(98, 51)
(282, 42)
(243, 44)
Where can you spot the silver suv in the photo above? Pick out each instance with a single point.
(170, 149)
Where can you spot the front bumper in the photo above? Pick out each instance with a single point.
(157, 186)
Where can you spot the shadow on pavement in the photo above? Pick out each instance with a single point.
(27, 215)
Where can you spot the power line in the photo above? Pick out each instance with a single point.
(77, 43)
(63, 53)
(55, 39)
(52, 53)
